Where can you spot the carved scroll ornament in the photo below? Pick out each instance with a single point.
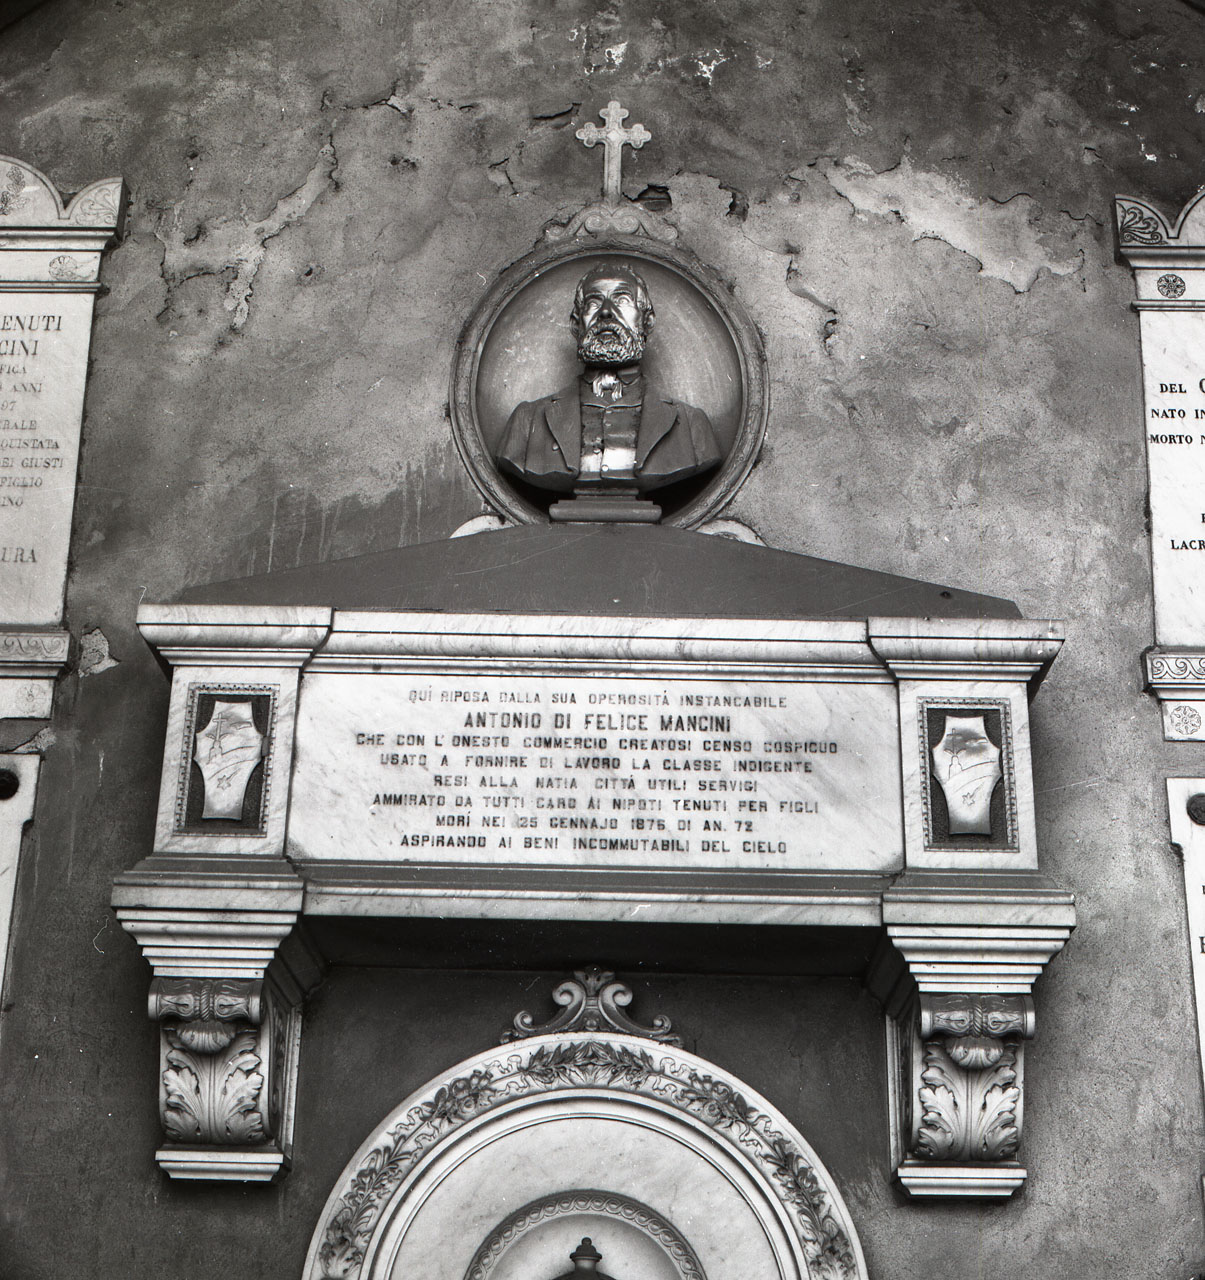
(592, 1000)
(974, 1026)
(1139, 224)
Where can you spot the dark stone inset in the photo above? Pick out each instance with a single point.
(253, 820)
(939, 835)
(10, 784)
(1196, 808)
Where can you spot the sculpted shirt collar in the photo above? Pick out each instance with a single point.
(612, 386)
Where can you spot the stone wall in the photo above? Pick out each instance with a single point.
(913, 201)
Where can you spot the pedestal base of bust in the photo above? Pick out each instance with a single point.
(612, 505)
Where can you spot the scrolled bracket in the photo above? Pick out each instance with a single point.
(227, 1076)
(974, 1027)
(959, 1083)
(959, 1010)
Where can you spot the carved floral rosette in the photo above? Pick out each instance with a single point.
(595, 1066)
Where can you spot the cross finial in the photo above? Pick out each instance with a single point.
(614, 138)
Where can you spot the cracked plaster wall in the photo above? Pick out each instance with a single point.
(913, 203)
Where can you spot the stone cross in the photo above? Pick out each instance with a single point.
(614, 138)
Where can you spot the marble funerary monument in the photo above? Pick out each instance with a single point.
(426, 747)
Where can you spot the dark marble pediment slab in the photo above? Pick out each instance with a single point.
(629, 570)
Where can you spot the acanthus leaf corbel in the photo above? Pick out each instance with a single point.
(955, 974)
(227, 994)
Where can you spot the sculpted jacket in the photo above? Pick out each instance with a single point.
(542, 443)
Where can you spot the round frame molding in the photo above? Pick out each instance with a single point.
(712, 1116)
(599, 1203)
(498, 492)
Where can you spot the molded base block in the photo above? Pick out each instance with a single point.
(619, 506)
(974, 1181)
(215, 1164)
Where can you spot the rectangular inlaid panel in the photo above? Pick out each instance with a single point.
(593, 772)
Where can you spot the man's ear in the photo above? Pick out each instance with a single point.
(649, 317)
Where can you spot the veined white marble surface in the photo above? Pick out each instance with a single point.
(1190, 836)
(815, 649)
(49, 260)
(207, 835)
(44, 339)
(586, 772)
(15, 812)
(1173, 371)
(584, 1112)
(1012, 844)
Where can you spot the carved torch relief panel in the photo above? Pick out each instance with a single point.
(225, 771)
(969, 786)
(225, 775)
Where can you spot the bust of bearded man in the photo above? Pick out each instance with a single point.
(609, 431)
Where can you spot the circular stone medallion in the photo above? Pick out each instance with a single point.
(519, 345)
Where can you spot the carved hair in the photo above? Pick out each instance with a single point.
(614, 271)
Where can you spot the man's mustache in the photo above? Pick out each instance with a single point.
(615, 328)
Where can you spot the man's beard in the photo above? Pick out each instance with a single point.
(610, 343)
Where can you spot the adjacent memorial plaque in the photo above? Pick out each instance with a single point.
(1173, 365)
(574, 771)
(1168, 260)
(49, 264)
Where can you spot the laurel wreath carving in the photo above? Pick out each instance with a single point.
(573, 1064)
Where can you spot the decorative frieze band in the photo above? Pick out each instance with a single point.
(30, 663)
(1177, 679)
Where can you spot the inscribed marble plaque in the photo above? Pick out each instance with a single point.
(1173, 359)
(43, 360)
(49, 262)
(561, 770)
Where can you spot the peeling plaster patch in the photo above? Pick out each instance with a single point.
(231, 248)
(40, 743)
(856, 97)
(94, 653)
(1003, 237)
(707, 64)
(853, 117)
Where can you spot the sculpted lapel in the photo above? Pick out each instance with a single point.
(657, 418)
(564, 420)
